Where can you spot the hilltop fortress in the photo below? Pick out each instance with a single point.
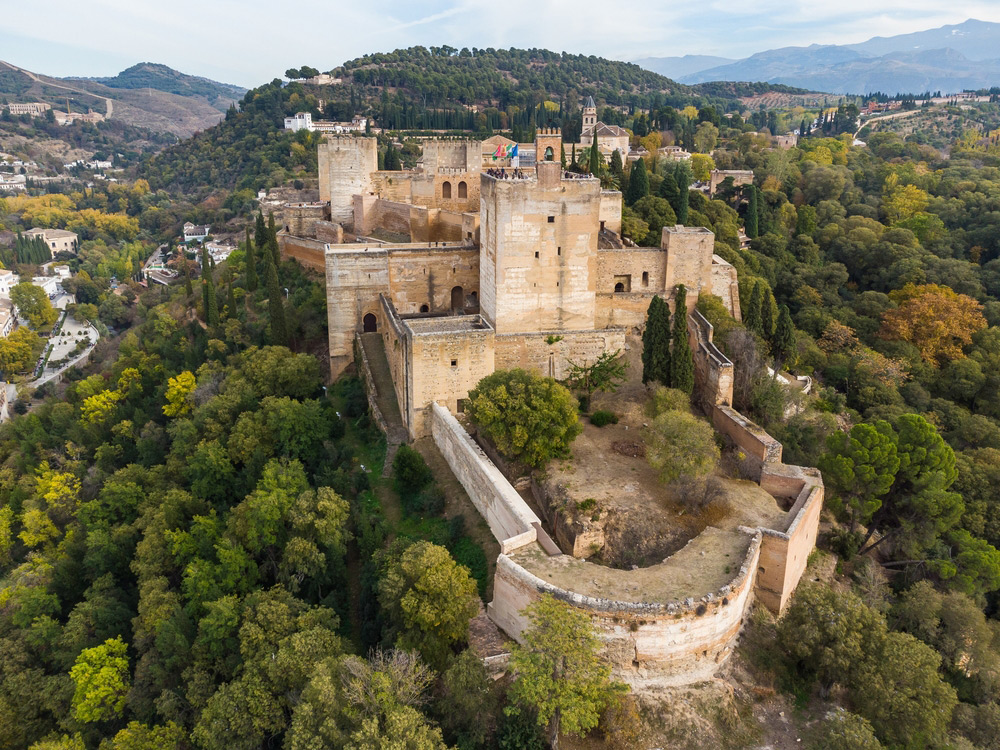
(438, 276)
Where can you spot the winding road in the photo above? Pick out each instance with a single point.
(109, 103)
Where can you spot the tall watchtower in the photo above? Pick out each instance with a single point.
(589, 115)
(346, 164)
(538, 247)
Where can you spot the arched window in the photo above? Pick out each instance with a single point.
(370, 323)
(446, 189)
(619, 287)
(424, 308)
(549, 155)
(457, 300)
(463, 190)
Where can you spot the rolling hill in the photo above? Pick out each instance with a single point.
(146, 95)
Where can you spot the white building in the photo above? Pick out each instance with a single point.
(48, 284)
(219, 251)
(194, 232)
(8, 280)
(58, 240)
(61, 272)
(28, 108)
(300, 121)
(8, 319)
(12, 182)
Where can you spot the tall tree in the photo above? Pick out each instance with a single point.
(260, 231)
(251, 261)
(638, 183)
(681, 359)
(767, 307)
(595, 157)
(668, 190)
(559, 671)
(783, 340)
(272, 239)
(656, 343)
(617, 170)
(683, 177)
(752, 313)
(275, 306)
(751, 223)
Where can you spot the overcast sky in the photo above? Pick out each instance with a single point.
(248, 42)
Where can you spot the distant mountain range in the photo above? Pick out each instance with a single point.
(947, 59)
(149, 95)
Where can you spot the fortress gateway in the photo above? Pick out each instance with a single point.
(438, 276)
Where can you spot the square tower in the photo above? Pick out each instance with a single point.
(346, 164)
(538, 249)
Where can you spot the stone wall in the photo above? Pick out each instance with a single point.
(689, 259)
(713, 372)
(300, 218)
(725, 286)
(510, 519)
(534, 352)
(345, 168)
(611, 211)
(308, 252)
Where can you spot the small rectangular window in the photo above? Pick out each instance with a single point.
(552, 220)
(454, 363)
(558, 251)
(536, 253)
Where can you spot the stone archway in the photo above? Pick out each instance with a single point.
(370, 323)
(457, 300)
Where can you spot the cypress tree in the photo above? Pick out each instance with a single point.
(669, 192)
(573, 162)
(211, 305)
(272, 234)
(260, 231)
(783, 341)
(231, 301)
(251, 259)
(562, 155)
(206, 274)
(751, 223)
(187, 281)
(617, 169)
(683, 177)
(275, 306)
(595, 157)
(656, 343)
(681, 359)
(638, 183)
(752, 315)
(766, 313)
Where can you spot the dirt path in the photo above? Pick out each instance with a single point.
(109, 103)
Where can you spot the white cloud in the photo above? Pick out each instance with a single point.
(251, 41)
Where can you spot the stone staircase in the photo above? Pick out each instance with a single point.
(385, 402)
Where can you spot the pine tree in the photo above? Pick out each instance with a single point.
(656, 343)
(783, 340)
(251, 260)
(595, 158)
(681, 359)
(276, 307)
(751, 223)
(752, 314)
(638, 183)
(272, 235)
(683, 177)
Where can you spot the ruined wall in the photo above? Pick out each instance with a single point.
(675, 643)
(611, 210)
(532, 351)
(539, 250)
(309, 253)
(510, 519)
(725, 286)
(689, 260)
(345, 168)
(749, 436)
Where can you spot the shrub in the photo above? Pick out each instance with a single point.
(410, 472)
(602, 417)
(681, 446)
(843, 730)
(667, 399)
(466, 552)
(529, 418)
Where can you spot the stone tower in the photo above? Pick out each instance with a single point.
(346, 164)
(538, 248)
(589, 115)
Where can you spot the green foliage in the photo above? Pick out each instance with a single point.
(751, 225)
(668, 399)
(101, 679)
(33, 303)
(410, 472)
(559, 672)
(844, 731)
(529, 418)
(859, 467)
(638, 183)
(681, 358)
(602, 418)
(656, 343)
(681, 447)
(429, 600)
(606, 373)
